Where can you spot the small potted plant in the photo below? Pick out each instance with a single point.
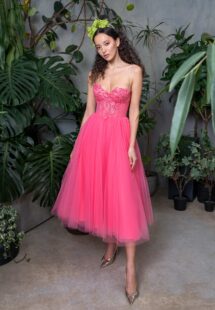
(10, 237)
(204, 172)
(178, 168)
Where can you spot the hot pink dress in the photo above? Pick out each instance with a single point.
(100, 193)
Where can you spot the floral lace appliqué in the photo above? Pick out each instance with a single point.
(113, 103)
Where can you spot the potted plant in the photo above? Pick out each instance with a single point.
(190, 191)
(204, 172)
(10, 237)
(177, 168)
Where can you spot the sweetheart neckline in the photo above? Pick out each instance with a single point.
(117, 87)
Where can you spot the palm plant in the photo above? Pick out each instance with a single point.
(148, 36)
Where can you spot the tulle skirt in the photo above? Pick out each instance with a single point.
(100, 194)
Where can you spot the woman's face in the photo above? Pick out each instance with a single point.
(106, 46)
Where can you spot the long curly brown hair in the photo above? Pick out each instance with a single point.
(126, 52)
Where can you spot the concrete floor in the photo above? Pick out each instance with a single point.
(61, 271)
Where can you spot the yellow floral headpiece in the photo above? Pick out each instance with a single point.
(98, 23)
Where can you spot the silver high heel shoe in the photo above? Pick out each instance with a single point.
(131, 297)
(108, 261)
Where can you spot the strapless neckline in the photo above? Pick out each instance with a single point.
(112, 90)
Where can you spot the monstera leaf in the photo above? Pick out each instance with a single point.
(12, 160)
(19, 82)
(45, 167)
(13, 120)
(54, 86)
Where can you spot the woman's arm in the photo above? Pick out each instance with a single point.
(91, 103)
(134, 111)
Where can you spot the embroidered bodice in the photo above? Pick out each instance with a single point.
(112, 103)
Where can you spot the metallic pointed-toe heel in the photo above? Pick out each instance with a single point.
(131, 297)
(108, 261)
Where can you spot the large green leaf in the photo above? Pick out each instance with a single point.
(11, 31)
(14, 120)
(45, 167)
(12, 161)
(45, 120)
(213, 103)
(181, 109)
(184, 69)
(54, 86)
(3, 34)
(211, 80)
(19, 82)
(210, 70)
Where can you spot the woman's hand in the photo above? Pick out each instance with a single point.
(132, 157)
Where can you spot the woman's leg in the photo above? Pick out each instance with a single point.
(110, 249)
(131, 281)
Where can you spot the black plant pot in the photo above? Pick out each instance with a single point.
(152, 178)
(11, 255)
(203, 193)
(76, 231)
(209, 206)
(190, 190)
(180, 204)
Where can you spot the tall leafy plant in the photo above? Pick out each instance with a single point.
(29, 160)
(193, 75)
(27, 84)
(21, 120)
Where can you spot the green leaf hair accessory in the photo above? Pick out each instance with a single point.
(98, 23)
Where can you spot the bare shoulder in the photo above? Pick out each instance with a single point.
(136, 70)
(89, 77)
(136, 74)
(89, 74)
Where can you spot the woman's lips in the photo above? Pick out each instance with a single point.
(106, 56)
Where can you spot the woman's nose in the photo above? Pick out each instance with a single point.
(103, 50)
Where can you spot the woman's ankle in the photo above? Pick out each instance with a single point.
(110, 250)
(130, 268)
(131, 280)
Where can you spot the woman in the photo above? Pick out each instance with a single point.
(104, 189)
